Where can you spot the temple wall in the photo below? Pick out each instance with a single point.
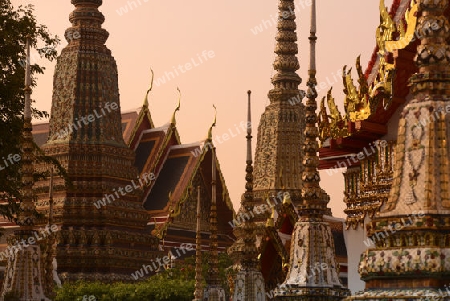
(354, 240)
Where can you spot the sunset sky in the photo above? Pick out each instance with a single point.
(229, 45)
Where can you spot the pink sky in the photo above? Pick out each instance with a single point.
(164, 34)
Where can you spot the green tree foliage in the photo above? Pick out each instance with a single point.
(176, 284)
(225, 263)
(161, 287)
(16, 24)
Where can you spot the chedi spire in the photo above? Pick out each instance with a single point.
(248, 282)
(85, 104)
(286, 80)
(99, 228)
(313, 272)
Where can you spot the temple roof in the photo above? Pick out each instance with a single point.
(175, 165)
(182, 168)
(172, 179)
(370, 106)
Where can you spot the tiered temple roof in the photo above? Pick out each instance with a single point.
(169, 199)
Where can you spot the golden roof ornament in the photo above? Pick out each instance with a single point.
(144, 112)
(324, 122)
(271, 220)
(149, 89)
(360, 102)
(173, 120)
(406, 37)
(383, 84)
(356, 103)
(362, 81)
(334, 111)
(287, 199)
(209, 137)
(386, 28)
(332, 125)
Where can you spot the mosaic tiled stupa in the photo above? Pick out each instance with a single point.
(411, 257)
(85, 136)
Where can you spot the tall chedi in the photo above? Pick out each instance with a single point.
(313, 269)
(248, 282)
(99, 211)
(280, 131)
(278, 156)
(411, 256)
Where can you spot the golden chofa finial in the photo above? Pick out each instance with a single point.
(209, 138)
(149, 89)
(287, 199)
(271, 220)
(173, 121)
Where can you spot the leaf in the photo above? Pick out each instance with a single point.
(17, 24)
